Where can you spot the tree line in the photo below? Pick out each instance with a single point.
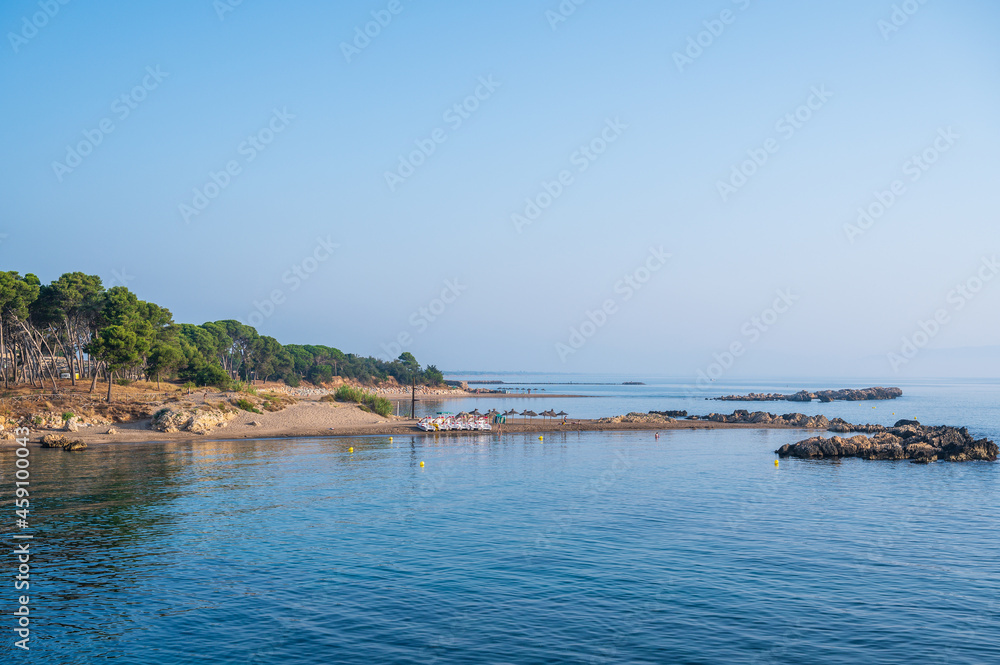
(76, 325)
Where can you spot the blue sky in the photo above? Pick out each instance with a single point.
(331, 126)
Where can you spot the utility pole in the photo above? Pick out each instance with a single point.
(413, 397)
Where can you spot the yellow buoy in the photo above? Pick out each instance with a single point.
(421, 462)
(539, 438)
(775, 462)
(351, 449)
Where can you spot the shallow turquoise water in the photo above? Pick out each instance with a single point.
(584, 548)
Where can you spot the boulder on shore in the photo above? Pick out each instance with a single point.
(60, 441)
(53, 441)
(199, 421)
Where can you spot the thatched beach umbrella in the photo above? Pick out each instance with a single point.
(530, 414)
(562, 414)
(512, 412)
(475, 412)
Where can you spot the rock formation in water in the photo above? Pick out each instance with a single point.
(744, 417)
(847, 394)
(60, 441)
(637, 417)
(912, 442)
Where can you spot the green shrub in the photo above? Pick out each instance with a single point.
(246, 405)
(66, 416)
(376, 404)
(122, 382)
(160, 413)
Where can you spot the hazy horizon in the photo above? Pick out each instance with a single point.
(293, 117)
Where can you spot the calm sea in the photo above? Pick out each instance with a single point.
(581, 548)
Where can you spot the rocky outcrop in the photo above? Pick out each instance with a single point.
(840, 425)
(53, 441)
(54, 420)
(637, 417)
(912, 442)
(197, 422)
(60, 441)
(670, 414)
(847, 394)
(742, 416)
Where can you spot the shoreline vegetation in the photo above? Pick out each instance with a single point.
(75, 329)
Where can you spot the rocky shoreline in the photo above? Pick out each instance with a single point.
(845, 395)
(273, 415)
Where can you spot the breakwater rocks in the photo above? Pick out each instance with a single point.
(742, 416)
(637, 417)
(906, 442)
(847, 395)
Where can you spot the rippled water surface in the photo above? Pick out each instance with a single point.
(592, 547)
